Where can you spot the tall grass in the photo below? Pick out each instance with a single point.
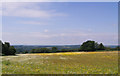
(82, 63)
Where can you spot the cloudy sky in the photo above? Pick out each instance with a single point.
(61, 23)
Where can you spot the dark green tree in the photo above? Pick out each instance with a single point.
(7, 43)
(96, 45)
(1, 46)
(88, 46)
(7, 49)
(12, 50)
(101, 47)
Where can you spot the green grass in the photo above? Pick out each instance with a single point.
(84, 63)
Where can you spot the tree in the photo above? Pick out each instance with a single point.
(32, 51)
(101, 47)
(7, 43)
(41, 50)
(44, 50)
(1, 46)
(25, 52)
(118, 48)
(64, 50)
(54, 49)
(12, 50)
(88, 46)
(7, 49)
(96, 45)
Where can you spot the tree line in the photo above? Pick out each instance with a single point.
(86, 46)
(53, 50)
(91, 46)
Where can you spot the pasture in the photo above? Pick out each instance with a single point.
(62, 63)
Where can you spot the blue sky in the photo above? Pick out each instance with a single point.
(61, 23)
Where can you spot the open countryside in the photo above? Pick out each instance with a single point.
(59, 38)
(62, 63)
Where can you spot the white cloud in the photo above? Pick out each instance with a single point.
(45, 30)
(40, 35)
(31, 10)
(58, 38)
(51, 35)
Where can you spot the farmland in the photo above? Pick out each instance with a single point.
(62, 63)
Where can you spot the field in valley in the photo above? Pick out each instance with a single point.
(62, 63)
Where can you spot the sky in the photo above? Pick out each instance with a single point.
(59, 23)
(59, 0)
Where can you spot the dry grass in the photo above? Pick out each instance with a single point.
(62, 63)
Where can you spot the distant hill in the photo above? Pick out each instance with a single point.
(111, 46)
(22, 48)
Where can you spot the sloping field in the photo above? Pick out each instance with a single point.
(62, 63)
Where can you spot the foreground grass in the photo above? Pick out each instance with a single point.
(62, 63)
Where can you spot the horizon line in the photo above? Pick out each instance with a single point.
(58, 45)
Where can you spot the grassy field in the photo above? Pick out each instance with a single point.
(62, 63)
